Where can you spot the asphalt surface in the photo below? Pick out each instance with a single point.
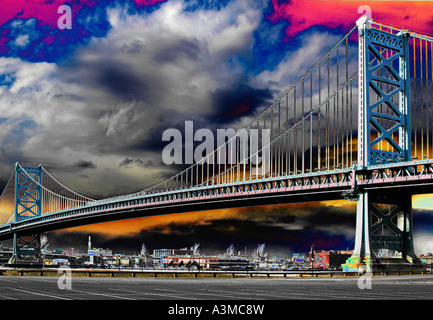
(415, 287)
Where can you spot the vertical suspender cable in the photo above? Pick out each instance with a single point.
(351, 124)
(427, 98)
(337, 116)
(318, 119)
(422, 98)
(311, 123)
(288, 137)
(303, 131)
(414, 84)
(347, 104)
(431, 66)
(327, 122)
(272, 146)
(279, 141)
(295, 153)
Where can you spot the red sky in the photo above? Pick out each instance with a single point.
(302, 14)
(46, 10)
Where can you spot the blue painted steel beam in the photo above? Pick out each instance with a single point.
(28, 204)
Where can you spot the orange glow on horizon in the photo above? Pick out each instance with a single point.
(164, 222)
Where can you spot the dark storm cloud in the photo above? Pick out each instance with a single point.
(328, 216)
(231, 103)
(120, 80)
(135, 46)
(422, 220)
(127, 162)
(83, 164)
(179, 50)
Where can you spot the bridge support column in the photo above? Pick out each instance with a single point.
(27, 249)
(384, 238)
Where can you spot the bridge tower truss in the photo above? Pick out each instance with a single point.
(28, 204)
(383, 220)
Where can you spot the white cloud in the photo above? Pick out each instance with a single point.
(297, 63)
(22, 41)
(423, 243)
(234, 38)
(29, 76)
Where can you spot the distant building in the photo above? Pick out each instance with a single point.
(59, 262)
(232, 262)
(213, 262)
(5, 254)
(100, 252)
(298, 259)
(158, 253)
(272, 263)
(125, 261)
(426, 259)
(183, 251)
(332, 259)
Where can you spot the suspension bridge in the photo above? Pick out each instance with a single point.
(357, 125)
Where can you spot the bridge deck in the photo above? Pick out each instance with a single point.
(415, 176)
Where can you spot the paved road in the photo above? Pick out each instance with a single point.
(188, 289)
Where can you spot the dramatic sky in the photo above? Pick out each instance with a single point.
(90, 103)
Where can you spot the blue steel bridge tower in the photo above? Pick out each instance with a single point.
(28, 204)
(383, 218)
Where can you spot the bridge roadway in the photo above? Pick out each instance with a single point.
(410, 287)
(415, 177)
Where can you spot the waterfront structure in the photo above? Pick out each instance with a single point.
(207, 262)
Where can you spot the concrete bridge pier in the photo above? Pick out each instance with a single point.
(384, 234)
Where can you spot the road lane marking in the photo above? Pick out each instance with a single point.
(102, 294)
(5, 297)
(41, 294)
(155, 294)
